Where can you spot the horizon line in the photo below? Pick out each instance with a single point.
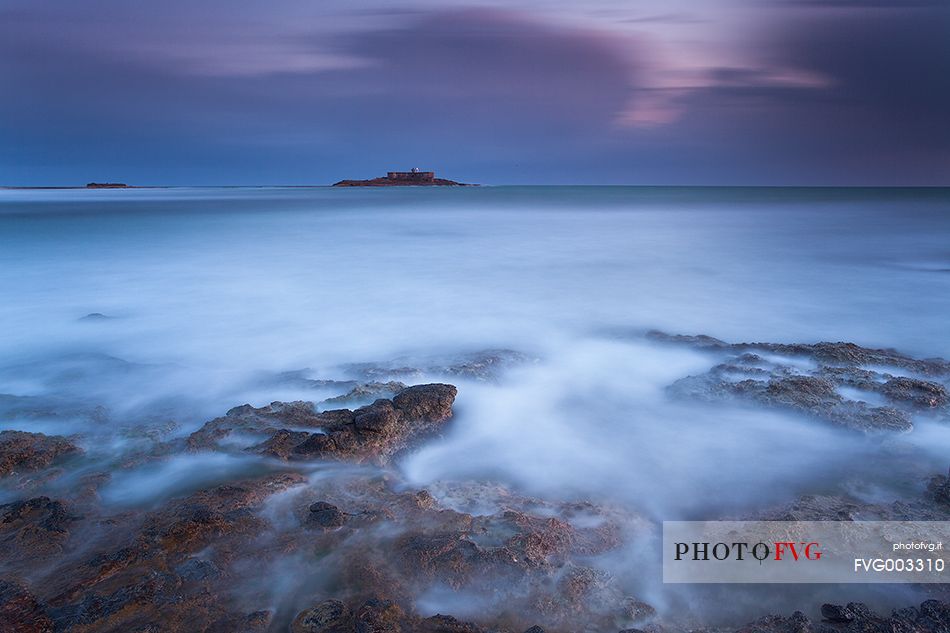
(476, 185)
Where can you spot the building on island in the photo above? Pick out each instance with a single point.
(414, 175)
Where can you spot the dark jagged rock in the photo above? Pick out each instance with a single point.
(919, 393)
(938, 489)
(19, 610)
(933, 616)
(282, 443)
(168, 566)
(426, 403)
(781, 381)
(21, 451)
(796, 623)
(843, 614)
(326, 515)
(95, 608)
(34, 529)
(274, 416)
(377, 615)
(198, 569)
(330, 616)
(374, 433)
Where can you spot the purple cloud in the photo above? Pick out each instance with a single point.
(808, 95)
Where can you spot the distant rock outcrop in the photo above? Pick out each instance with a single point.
(107, 185)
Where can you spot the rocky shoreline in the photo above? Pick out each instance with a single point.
(328, 536)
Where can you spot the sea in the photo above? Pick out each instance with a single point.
(200, 296)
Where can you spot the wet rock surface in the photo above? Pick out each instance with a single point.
(23, 452)
(34, 528)
(932, 616)
(297, 431)
(343, 542)
(485, 366)
(838, 383)
(931, 505)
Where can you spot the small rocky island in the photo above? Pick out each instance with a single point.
(107, 185)
(412, 178)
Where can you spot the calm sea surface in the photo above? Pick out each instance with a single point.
(211, 289)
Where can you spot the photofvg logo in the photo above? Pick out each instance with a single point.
(805, 551)
(777, 550)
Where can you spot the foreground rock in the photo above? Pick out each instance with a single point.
(19, 610)
(373, 433)
(21, 451)
(364, 546)
(933, 616)
(379, 616)
(932, 504)
(129, 572)
(34, 529)
(523, 560)
(840, 383)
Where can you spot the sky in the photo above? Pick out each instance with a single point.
(692, 92)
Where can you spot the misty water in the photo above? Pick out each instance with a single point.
(211, 292)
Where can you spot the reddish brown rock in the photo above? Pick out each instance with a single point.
(147, 572)
(21, 451)
(374, 614)
(19, 610)
(933, 616)
(372, 433)
(34, 529)
(330, 616)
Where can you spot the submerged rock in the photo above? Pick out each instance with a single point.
(932, 504)
(21, 451)
(485, 365)
(810, 378)
(367, 391)
(825, 353)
